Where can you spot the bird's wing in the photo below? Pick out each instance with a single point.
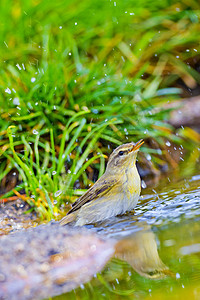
(101, 187)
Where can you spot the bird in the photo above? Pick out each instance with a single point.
(116, 192)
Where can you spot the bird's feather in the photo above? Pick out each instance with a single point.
(68, 219)
(101, 187)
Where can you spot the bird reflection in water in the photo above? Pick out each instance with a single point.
(140, 251)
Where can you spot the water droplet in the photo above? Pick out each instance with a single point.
(178, 276)
(35, 131)
(57, 193)
(60, 27)
(18, 66)
(8, 91)
(143, 184)
(54, 173)
(82, 286)
(6, 44)
(148, 157)
(168, 144)
(16, 101)
(33, 79)
(75, 23)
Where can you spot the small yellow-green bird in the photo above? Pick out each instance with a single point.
(114, 193)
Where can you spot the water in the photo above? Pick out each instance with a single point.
(158, 249)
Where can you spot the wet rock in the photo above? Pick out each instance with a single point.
(49, 260)
(186, 113)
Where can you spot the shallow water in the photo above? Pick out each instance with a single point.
(158, 250)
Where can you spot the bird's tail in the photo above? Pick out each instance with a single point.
(68, 219)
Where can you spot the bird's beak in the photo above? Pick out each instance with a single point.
(137, 145)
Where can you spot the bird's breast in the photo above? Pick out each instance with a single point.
(133, 180)
(132, 187)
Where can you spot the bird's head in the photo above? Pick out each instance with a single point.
(123, 157)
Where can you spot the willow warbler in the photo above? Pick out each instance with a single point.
(114, 193)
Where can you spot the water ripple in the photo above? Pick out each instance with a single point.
(169, 207)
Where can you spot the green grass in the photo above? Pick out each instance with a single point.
(76, 77)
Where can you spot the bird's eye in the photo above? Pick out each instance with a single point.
(121, 153)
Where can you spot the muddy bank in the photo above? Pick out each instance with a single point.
(14, 216)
